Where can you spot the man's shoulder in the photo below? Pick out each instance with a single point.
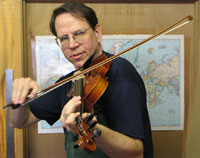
(119, 62)
(65, 76)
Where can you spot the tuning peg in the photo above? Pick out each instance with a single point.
(76, 145)
(74, 137)
(90, 117)
(96, 132)
(92, 125)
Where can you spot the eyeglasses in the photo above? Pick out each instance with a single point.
(78, 36)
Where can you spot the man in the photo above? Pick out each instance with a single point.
(121, 112)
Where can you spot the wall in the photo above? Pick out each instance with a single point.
(193, 123)
(116, 19)
(11, 50)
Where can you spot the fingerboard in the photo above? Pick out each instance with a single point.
(78, 84)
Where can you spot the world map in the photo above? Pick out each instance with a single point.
(159, 62)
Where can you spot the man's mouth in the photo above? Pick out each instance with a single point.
(77, 56)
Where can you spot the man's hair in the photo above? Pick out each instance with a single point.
(77, 9)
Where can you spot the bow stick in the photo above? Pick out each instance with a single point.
(42, 92)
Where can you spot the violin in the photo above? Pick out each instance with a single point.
(91, 83)
(90, 87)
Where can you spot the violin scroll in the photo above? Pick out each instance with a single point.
(85, 138)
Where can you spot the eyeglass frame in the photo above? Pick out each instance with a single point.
(73, 36)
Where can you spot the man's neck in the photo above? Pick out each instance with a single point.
(93, 57)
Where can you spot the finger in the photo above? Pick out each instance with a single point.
(22, 87)
(26, 87)
(85, 115)
(64, 118)
(17, 90)
(70, 122)
(34, 89)
(88, 117)
(72, 105)
(30, 87)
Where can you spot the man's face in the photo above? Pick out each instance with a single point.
(78, 52)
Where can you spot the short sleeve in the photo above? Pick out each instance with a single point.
(46, 107)
(49, 106)
(125, 99)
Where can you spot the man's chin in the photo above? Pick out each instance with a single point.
(78, 66)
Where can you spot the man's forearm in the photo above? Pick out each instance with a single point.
(20, 117)
(117, 145)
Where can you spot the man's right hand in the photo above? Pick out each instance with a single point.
(23, 87)
(22, 117)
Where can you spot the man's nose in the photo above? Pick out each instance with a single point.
(72, 42)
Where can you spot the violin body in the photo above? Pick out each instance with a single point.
(95, 84)
(94, 87)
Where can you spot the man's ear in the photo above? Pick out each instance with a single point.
(98, 32)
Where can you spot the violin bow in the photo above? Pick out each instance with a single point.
(42, 92)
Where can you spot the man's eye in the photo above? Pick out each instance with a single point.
(78, 33)
(63, 38)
